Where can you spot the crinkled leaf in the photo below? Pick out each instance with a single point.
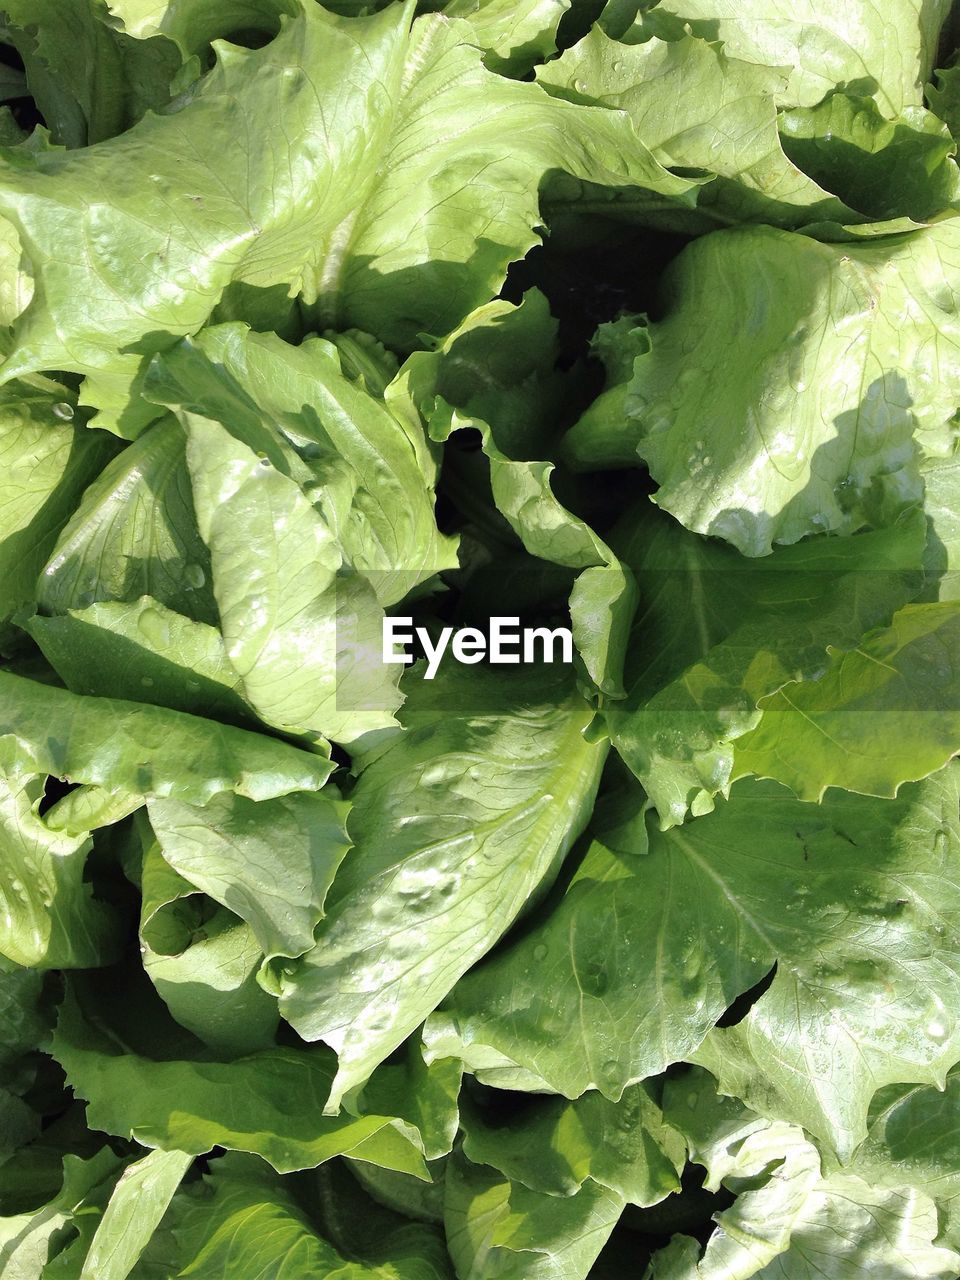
(696, 107)
(203, 961)
(883, 168)
(884, 713)
(46, 463)
(798, 400)
(134, 534)
(147, 750)
(489, 372)
(142, 651)
(640, 957)
(269, 1103)
(369, 474)
(888, 51)
(89, 81)
(500, 1228)
(253, 1216)
(271, 863)
(717, 632)
(789, 1219)
(400, 229)
(49, 917)
(305, 640)
(28, 1240)
(556, 1146)
(451, 840)
(136, 1206)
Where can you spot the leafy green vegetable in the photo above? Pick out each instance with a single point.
(605, 354)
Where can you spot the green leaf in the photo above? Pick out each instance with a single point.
(134, 534)
(635, 963)
(496, 1227)
(912, 1142)
(942, 507)
(885, 713)
(370, 475)
(400, 232)
(556, 1147)
(202, 960)
(139, 1201)
(269, 1103)
(271, 863)
(696, 107)
(789, 1219)
(46, 465)
(253, 1216)
(514, 35)
(431, 885)
(719, 632)
(89, 81)
(142, 651)
(193, 26)
(797, 400)
(49, 917)
(886, 51)
(147, 750)
(489, 371)
(884, 168)
(28, 1240)
(305, 641)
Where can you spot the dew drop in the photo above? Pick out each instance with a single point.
(194, 576)
(63, 411)
(147, 682)
(153, 626)
(610, 1071)
(941, 842)
(540, 951)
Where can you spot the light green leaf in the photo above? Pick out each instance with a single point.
(305, 641)
(28, 1240)
(490, 372)
(514, 35)
(202, 960)
(193, 26)
(885, 713)
(49, 917)
(89, 81)
(885, 169)
(142, 651)
(139, 1201)
(134, 534)
(147, 750)
(370, 475)
(402, 231)
(942, 506)
(886, 51)
(638, 959)
(271, 863)
(46, 464)
(789, 1220)
(455, 827)
(696, 107)
(798, 399)
(719, 632)
(253, 1216)
(912, 1141)
(496, 1227)
(556, 1147)
(16, 281)
(269, 1103)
